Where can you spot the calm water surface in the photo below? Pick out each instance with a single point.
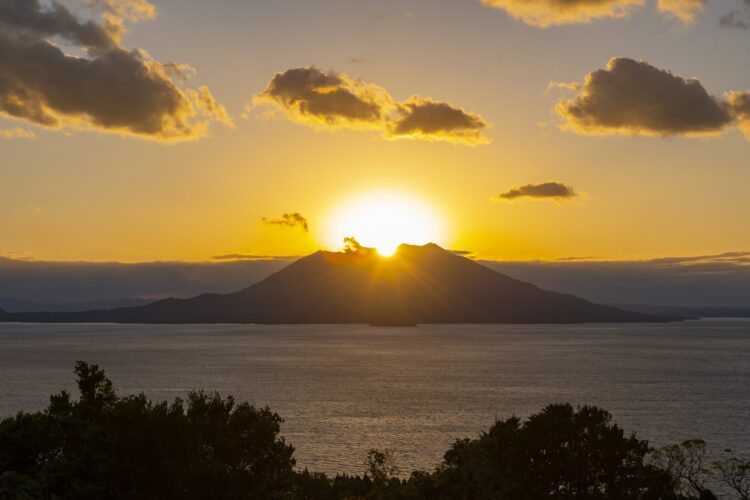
(345, 389)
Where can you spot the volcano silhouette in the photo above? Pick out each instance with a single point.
(418, 285)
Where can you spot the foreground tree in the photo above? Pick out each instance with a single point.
(103, 445)
(559, 453)
(106, 446)
(733, 472)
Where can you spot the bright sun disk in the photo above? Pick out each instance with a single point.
(384, 221)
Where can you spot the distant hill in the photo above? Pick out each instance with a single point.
(689, 312)
(420, 284)
(14, 305)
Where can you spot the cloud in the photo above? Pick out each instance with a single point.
(421, 118)
(117, 12)
(738, 18)
(289, 220)
(17, 133)
(106, 88)
(545, 13)
(351, 245)
(735, 19)
(707, 280)
(333, 101)
(251, 257)
(555, 191)
(684, 10)
(46, 281)
(635, 98)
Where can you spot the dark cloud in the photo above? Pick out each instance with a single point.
(735, 19)
(427, 119)
(312, 96)
(109, 88)
(351, 245)
(330, 100)
(289, 220)
(556, 191)
(635, 98)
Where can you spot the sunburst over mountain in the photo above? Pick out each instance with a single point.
(419, 284)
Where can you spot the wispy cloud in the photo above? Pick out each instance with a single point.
(545, 13)
(289, 220)
(335, 101)
(17, 133)
(555, 191)
(244, 256)
(684, 10)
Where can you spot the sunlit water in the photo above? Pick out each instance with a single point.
(345, 389)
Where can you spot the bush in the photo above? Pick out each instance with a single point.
(106, 446)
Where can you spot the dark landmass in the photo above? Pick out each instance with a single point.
(688, 312)
(418, 285)
(104, 445)
(14, 305)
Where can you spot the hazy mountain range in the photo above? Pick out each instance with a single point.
(420, 284)
(704, 282)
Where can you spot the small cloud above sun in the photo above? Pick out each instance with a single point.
(384, 220)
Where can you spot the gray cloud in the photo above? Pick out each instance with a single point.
(556, 191)
(110, 88)
(312, 96)
(709, 280)
(331, 101)
(87, 281)
(635, 98)
(289, 220)
(431, 120)
(735, 19)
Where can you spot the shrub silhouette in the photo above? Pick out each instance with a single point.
(106, 446)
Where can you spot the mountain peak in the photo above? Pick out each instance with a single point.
(418, 284)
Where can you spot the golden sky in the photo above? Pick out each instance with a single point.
(186, 129)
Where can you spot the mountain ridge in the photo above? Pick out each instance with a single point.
(418, 285)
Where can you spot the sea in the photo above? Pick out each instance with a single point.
(343, 390)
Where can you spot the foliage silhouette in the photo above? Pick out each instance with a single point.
(103, 445)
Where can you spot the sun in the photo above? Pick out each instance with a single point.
(384, 220)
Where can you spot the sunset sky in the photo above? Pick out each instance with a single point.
(515, 130)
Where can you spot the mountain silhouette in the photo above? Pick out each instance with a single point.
(419, 284)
